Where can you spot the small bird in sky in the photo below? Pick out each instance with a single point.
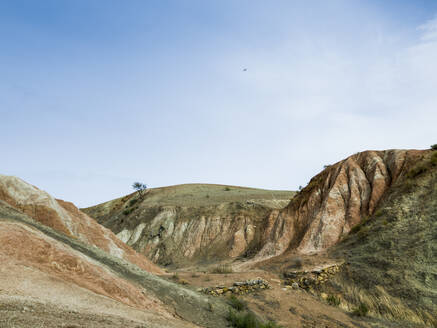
(244, 69)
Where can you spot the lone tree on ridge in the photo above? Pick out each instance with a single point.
(140, 188)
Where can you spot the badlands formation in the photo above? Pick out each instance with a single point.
(170, 231)
(355, 248)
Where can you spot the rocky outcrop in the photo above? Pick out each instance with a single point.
(238, 288)
(66, 218)
(186, 224)
(334, 201)
(390, 259)
(309, 278)
(180, 235)
(337, 199)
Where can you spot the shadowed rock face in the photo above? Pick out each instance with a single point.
(66, 218)
(334, 201)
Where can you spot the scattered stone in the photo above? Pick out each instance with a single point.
(239, 287)
(308, 279)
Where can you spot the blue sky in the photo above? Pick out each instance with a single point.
(97, 94)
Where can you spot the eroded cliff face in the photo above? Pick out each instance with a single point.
(177, 234)
(187, 224)
(334, 201)
(183, 235)
(66, 218)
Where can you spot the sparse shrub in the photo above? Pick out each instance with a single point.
(416, 170)
(297, 263)
(359, 226)
(385, 222)
(242, 320)
(364, 231)
(379, 213)
(128, 211)
(434, 159)
(132, 201)
(227, 189)
(355, 229)
(333, 300)
(409, 185)
(361, 310)
(195, 275)
(207, 196)
(222, 268)
(175, 276)
(237, 304)
(434, 147)
(248, 320)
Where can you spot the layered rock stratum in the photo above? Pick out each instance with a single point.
(66, 218)
(59, 267)
(337, 199)
(192, 223)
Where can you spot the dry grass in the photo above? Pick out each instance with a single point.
(222, 268)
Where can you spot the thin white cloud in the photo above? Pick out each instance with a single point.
(429, 30)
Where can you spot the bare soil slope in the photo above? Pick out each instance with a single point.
(67, 219)
(53, 275)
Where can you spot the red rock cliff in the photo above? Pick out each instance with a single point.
(334, 201)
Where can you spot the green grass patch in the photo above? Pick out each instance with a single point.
(128, 211)
(359, 226)
(333, 300)
(248, 320)
(237, 304)
(361, 310)
(378, 213)
(417, 170)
